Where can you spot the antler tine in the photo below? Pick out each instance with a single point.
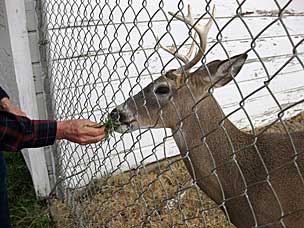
(190, 17)
(202, 31)
(188, 55)
(173, 50)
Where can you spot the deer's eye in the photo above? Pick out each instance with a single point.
(162, 90)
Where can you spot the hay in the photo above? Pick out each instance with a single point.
(153, 200)
(163, 197)
(61, 214)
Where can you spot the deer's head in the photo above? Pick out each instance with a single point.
(169, 98)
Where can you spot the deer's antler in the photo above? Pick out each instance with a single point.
(173, 49)
(201, 30)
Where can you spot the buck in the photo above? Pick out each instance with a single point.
(256, 179)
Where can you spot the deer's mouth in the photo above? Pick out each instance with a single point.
(125, 126)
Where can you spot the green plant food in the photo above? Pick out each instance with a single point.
(109, 125)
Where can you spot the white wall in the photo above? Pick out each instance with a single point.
(91, 56)
(17, 73)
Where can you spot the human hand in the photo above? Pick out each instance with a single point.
(80, 131)
(9, 107)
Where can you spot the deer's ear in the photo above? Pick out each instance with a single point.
(226, 70)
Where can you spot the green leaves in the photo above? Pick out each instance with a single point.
(109, 126)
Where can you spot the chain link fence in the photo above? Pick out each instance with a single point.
(100, 53)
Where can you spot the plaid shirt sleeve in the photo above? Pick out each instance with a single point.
(17, 132)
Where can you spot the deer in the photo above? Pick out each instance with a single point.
(255, 178)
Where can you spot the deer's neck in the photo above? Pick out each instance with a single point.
(210, 144)
(224, 161)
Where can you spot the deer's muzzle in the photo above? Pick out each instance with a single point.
(122, 120)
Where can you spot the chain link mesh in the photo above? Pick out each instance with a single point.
(100, 53)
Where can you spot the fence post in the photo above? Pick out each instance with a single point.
(55, 182)
(22, 67)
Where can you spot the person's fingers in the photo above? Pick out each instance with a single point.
(90, 131)
(16, 111)
(85, 122)
(96, 139)
(22, 114)
(87, 140)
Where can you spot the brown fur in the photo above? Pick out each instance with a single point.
(257, 179)
(266, 166)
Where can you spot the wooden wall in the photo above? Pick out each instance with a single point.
(102, 54)
(17, 76)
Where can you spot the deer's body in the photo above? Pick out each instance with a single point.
(276, 152)
(257, 180)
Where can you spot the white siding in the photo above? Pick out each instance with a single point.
(25, 88)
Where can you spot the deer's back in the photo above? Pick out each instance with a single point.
(282, 189)
(270, 167)
(273, 170)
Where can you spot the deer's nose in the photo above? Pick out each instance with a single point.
(114, 115)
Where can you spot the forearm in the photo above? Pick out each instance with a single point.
(18, 132)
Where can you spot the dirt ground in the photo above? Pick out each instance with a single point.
(163, 197)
